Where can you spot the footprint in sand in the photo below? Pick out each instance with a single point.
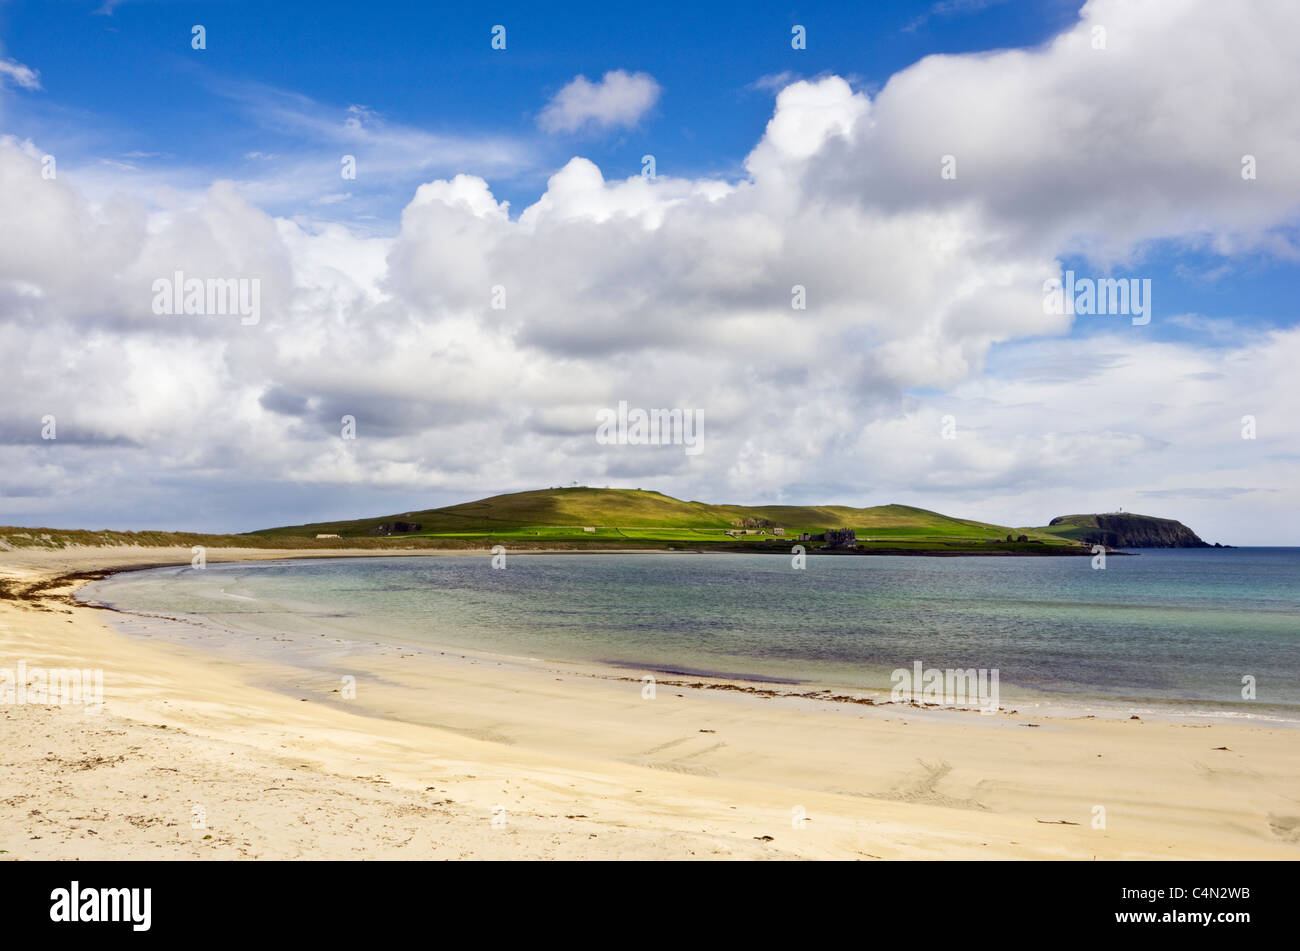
(923, 789)
(678, 765)
(1220, 773)
(1286, 828)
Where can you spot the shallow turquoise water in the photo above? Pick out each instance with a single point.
(1165, 627)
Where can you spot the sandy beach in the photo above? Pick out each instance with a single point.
(198, 755)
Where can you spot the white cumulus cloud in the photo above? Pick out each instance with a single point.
(619, 98)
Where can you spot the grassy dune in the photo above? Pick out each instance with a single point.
(15, 538)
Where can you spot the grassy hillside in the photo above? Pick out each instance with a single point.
(1074, 527)
(629, 515)
(619, 518)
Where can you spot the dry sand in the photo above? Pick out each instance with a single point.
(573, 764)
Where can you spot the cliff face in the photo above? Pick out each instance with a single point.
(1124, 530)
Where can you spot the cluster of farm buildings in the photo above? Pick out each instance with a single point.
(834, 538)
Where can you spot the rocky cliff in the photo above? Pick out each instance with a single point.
(1126, 530)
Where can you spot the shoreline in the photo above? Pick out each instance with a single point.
(1024, 701)
(682, 547)
(579, 767)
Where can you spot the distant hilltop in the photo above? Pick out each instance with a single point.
(589, 518)
(594, 517)
(1127, 530)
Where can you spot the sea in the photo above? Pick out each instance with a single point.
(1178, 632)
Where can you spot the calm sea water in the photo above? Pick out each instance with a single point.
(1167, 627)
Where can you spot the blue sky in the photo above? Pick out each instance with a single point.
(775, 165)
(128, 82)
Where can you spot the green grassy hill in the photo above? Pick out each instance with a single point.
(618, 518)
(634, 515)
